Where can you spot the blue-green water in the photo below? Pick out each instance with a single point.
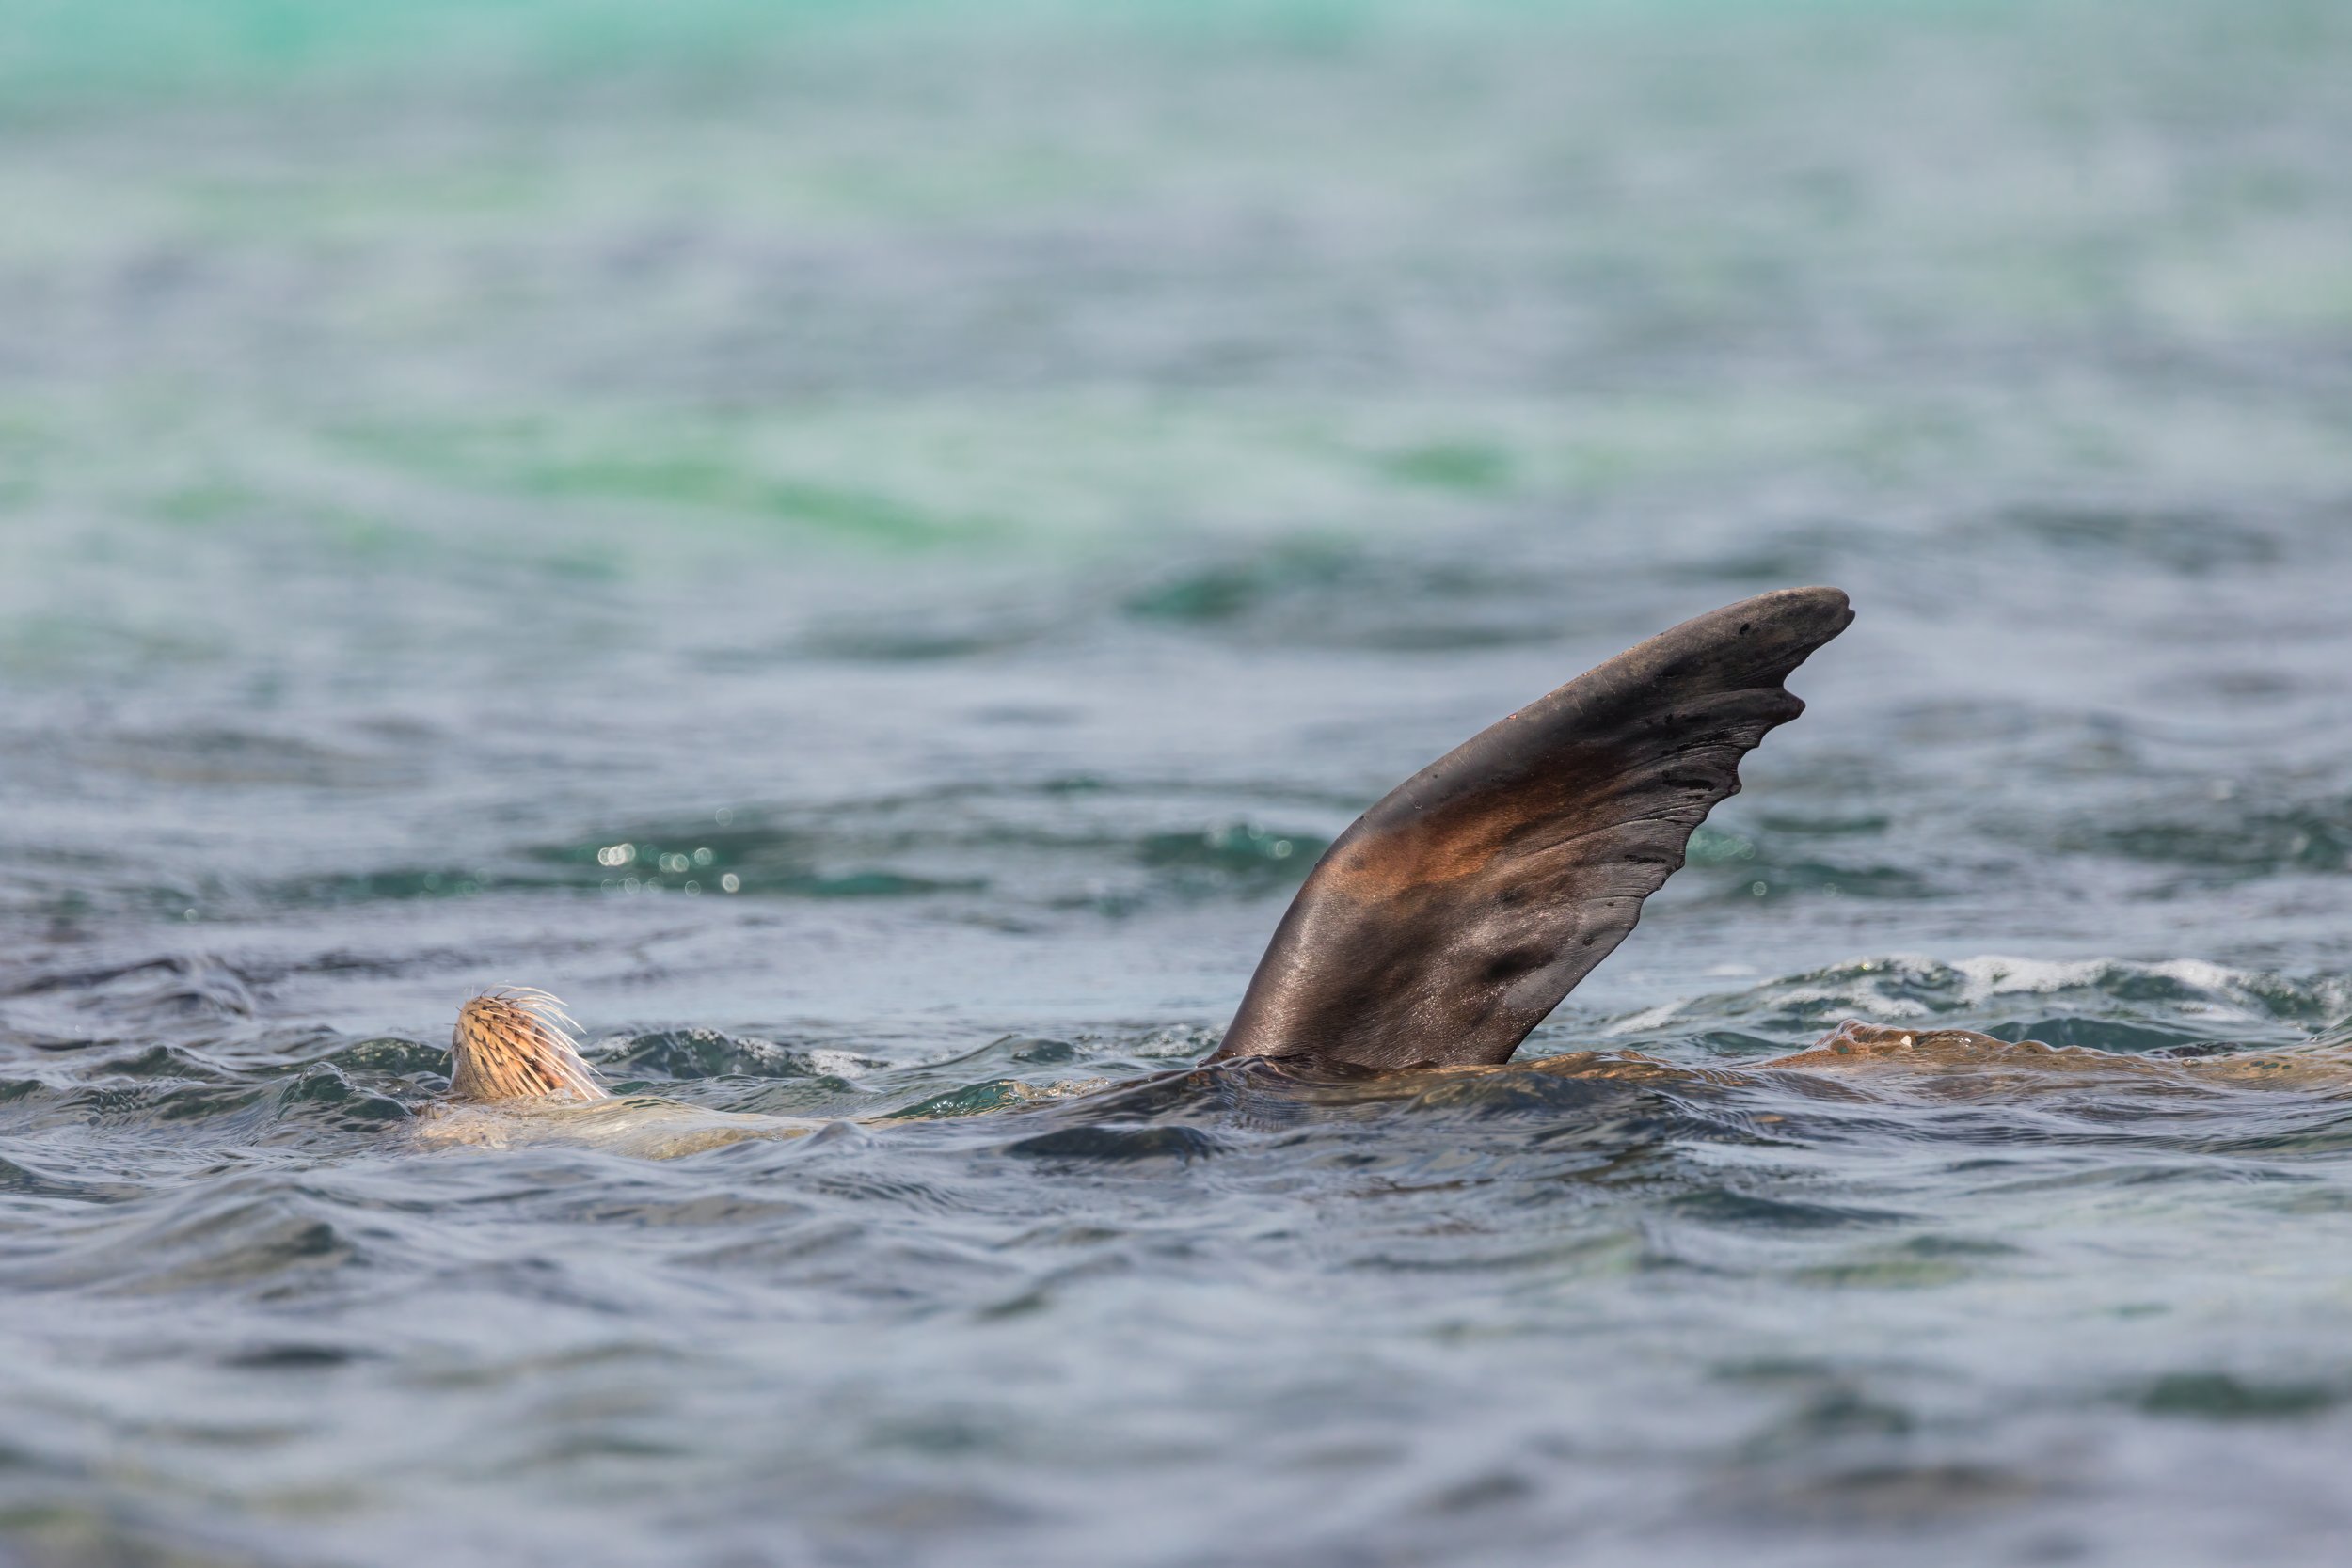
(1004, 487)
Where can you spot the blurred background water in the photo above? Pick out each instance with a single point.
(869, 547)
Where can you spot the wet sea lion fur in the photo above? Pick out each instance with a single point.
(518, 1043)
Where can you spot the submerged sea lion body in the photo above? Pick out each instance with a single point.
(1446, 922)
(643, 1126)
(516, 1078)
(1856, 1063)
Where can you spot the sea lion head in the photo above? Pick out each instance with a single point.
(518, 1043)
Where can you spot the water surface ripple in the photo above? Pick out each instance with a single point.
(871, 553)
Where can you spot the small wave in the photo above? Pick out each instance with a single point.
(1067, 834)
(1234, 852)
(1327, 593)
(690, 1053)
(2170, 1001)
(324, 1096)
(64, 1008)
(984, 1098)
(2219, 843)
(240, 1234)
(1765, 863)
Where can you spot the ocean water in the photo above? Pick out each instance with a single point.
(868, 548)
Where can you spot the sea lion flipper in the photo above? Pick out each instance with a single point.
(1455, 914)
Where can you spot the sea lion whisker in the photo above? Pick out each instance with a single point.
(518, 1042)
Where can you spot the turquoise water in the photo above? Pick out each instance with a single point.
(1005, 487)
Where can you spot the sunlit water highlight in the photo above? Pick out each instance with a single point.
(870, 558)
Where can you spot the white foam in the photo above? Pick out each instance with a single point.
(836, 1064)
(1655, 1018)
